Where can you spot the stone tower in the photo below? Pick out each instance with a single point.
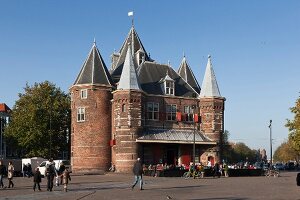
(212, 110)
(127, 115)
(91, 116)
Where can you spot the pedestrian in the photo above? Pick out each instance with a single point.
(29, 170)
(50, 173)
(61, 170)
(10, 174)
(66, 179)
(2, 173)
(37, 179)
(24, 170)
(138, 173)
(216, 170)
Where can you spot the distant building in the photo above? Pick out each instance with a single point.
(4, 119)
(140, 108)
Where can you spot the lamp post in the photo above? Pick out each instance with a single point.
(270, 127)
(194, 141)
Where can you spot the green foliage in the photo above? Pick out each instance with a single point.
(40, 119)
(294, 127)
(285, 152)
(234, 153)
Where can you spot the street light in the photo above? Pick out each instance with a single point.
(194, 140)
(270, 127)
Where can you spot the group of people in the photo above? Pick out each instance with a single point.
(27, 170)
(63, 174)
(10, 174)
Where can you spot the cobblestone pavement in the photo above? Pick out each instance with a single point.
(117, 186)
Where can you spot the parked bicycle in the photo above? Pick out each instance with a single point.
(191, 174)
(271, 172)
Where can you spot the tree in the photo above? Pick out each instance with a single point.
(285, 152)
(294, 127)
(40, 121)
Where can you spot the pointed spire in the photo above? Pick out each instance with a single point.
(128, 79)
(209, 85)
(187, 74)
(94, 70)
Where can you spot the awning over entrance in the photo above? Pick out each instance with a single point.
(174, 136)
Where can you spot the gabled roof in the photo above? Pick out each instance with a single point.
(209, 85)
(150, 75)
(94, 70)
(173, 136)
(187, 74)
(4, 108)
(166, 78)
(136, 45)
(128, 79)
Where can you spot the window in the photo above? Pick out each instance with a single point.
(123, 108)
(169, 87)
(171, 112)
(152, 110)
(188, 113)
(71, 96)
(83, 94)
(80, 114)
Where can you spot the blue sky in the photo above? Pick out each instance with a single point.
(254, 46)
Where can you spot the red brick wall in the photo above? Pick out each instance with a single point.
(90, 150)
(127, 126)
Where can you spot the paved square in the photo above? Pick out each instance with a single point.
(117, 186)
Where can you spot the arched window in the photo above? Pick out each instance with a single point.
(123, 108)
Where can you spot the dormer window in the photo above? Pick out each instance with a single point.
(169, 87)
(83, 94)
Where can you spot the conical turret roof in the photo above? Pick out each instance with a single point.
(209, 85)
(136, 45)
(94, 70)
(187, 74)
(128, 79)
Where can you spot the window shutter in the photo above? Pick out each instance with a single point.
(196, 119)
(178, 114)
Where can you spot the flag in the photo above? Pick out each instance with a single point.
(130, 13)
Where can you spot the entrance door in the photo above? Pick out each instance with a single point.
(212, 160)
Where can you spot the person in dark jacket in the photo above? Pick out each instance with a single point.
(61, 170)
(138, 174)
(217, 170)
(2, 173)
(37, 179)
(50, 173)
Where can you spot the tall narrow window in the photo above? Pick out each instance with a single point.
(152, 111)
(188, 113)
(123, 108)
(83, 94)
(171, 112)
(80, 114)
(169, 87)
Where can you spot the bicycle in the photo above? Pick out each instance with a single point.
(271, 172)
(190, 174)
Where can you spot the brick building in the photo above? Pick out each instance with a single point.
(140, 108)
(4, 119)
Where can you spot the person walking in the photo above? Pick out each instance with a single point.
(2, 173)
(37, 179)
(66, 178)
(138, 173)
(10, 174)
(50, 173)
(61, 170)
